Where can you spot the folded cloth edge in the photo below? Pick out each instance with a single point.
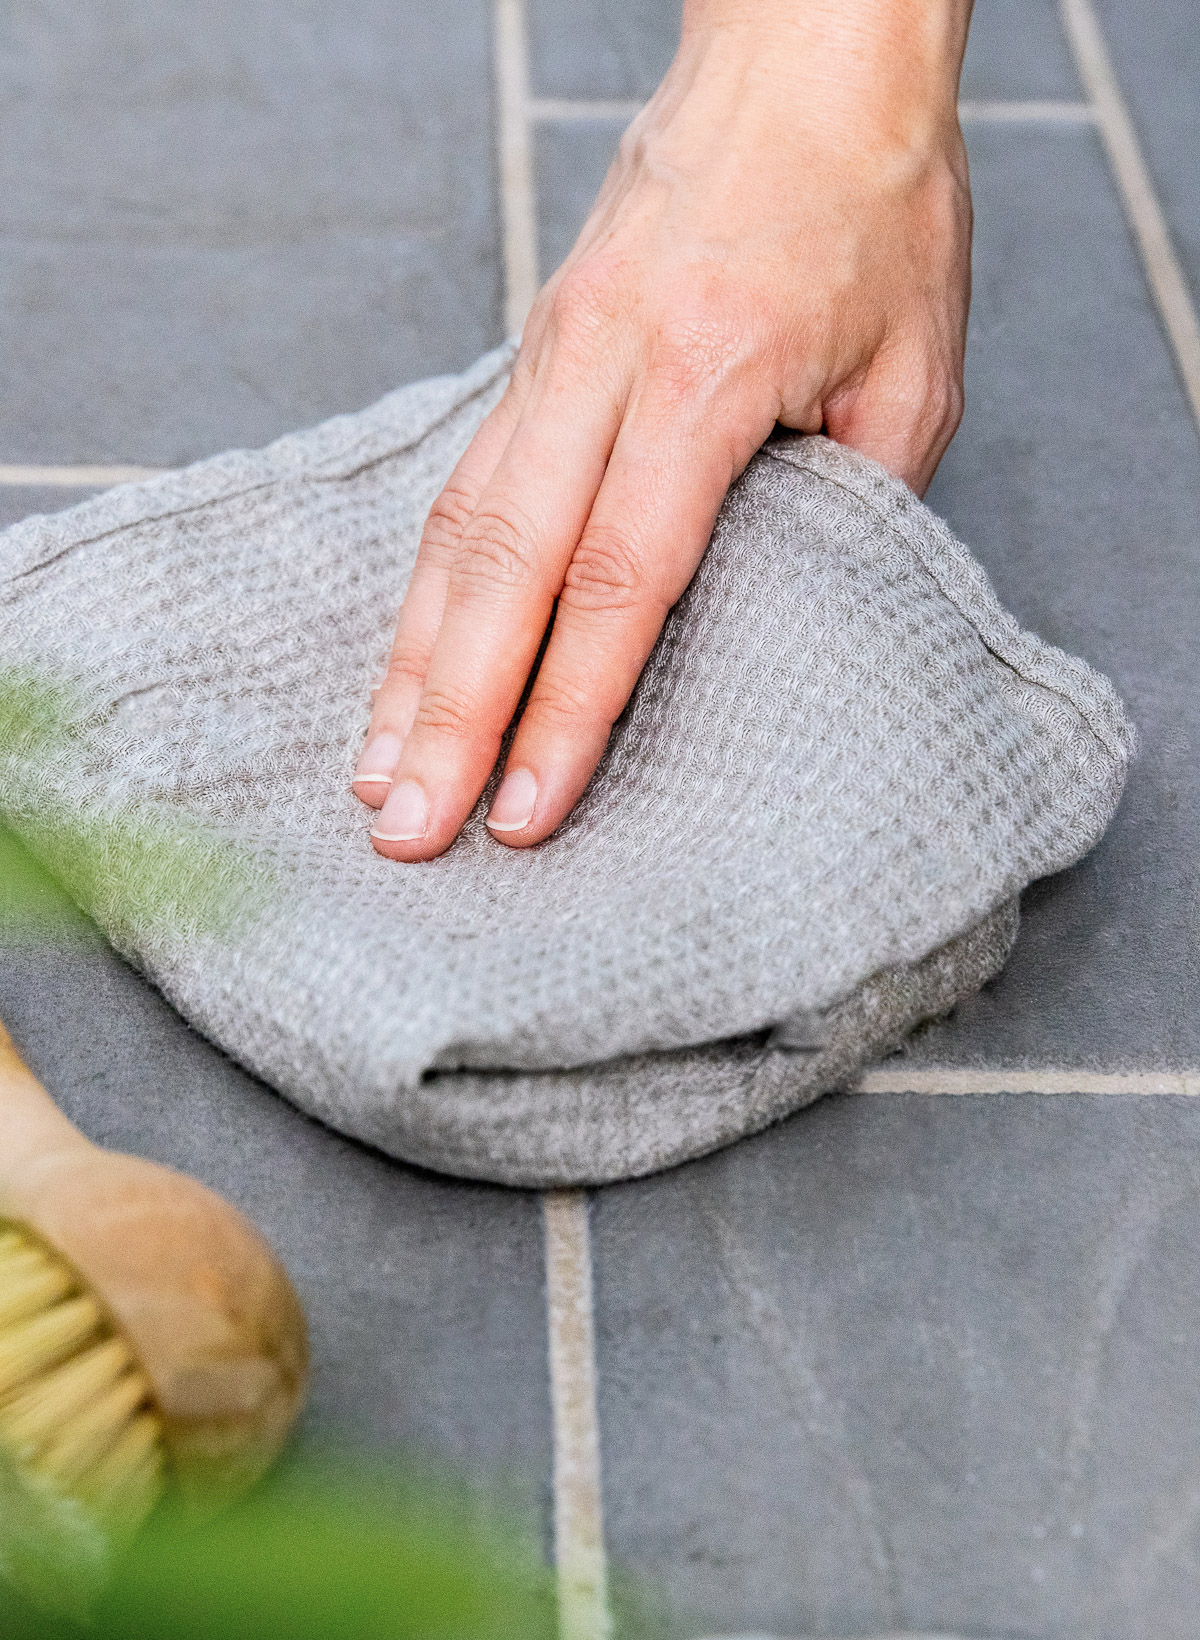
(644, 1113)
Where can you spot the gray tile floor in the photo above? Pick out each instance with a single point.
(906, 1362)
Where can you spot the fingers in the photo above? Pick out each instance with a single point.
(497, 595)
(646, 535)
(398, 696)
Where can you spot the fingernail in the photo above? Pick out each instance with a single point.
(403, 818)
(379, 759)
(512, 808)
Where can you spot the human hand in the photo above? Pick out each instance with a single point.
(783, 237)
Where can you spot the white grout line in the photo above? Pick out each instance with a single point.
(1045, 113)
(583, 1611)
(92, 478)
(580, 1563)
(889, 1079)
(574, 108)
(1163, 270)
(516, 164)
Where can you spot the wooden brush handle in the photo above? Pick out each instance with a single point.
(204, 1303)
(31, 1124)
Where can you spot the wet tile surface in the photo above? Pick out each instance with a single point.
(923, 1365)
(424, 1297)
(213, 232)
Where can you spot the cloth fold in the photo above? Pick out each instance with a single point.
(842, 765)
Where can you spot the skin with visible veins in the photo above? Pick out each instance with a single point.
(784, 237)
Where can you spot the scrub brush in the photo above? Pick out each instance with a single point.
(150, 1341)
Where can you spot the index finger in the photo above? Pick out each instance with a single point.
(500, 591)
(398, 696)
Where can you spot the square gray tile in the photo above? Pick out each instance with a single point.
(220, 224)
(913, 1364)
(1016, 51)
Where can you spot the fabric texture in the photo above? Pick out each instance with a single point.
(840, 768)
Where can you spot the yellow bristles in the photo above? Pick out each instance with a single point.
(31, 1418)
(76, 1410)
(29, 1279)
(45, 1339)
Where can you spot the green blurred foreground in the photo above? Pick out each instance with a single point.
(134, 865)
(326, 1554)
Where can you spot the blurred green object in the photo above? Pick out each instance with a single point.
(328, 1553)
(29, 898)
(136, 866)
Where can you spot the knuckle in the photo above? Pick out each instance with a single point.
(953, 403)
(560, 703)
(494, 552)
(406, 666)
(442, 712)
(935, 407)
(587, 299)
(448, 518)
(604, 573)
(636, 151)
(927, 397)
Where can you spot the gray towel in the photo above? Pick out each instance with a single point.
(842, 765)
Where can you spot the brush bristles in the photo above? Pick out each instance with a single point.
(76, 1411)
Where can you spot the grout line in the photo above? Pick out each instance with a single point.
(583, 1611)
(1046, 113)
(962, 1082)
(1163, 271)
(96, 478)
(580, 1565)
(576, 108)
(518, 208)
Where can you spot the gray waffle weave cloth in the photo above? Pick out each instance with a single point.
(843, 763)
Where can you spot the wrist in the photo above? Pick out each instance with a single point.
(883, 68)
